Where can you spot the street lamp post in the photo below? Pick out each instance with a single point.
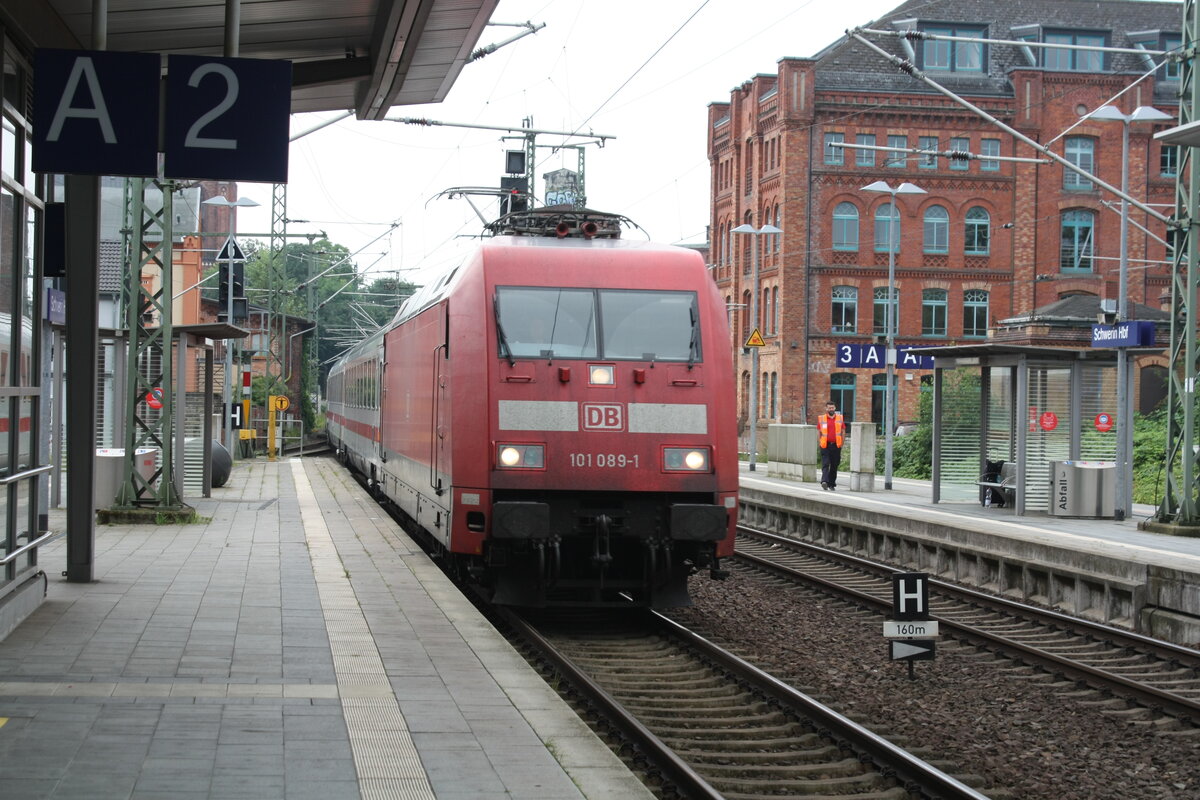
(890, 321)
(750, 229)
(1124, 422)
(244, 202)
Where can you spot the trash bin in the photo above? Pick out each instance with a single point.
(110, 471)
(1083, 488)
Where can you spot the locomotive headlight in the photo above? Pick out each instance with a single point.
(520, 456)
(685, 459)
(601, 374)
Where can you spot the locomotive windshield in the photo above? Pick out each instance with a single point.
(597, 323)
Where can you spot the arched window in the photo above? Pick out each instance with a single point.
(773, 411)
(841, 394)
(1080, 151)
(745, 315)
(845, 227)
(933, 312)
(975, 313)
(1077, 237)
(978, 230)
(937, 230)
(887, 228)
(845, 310)
(778, 224)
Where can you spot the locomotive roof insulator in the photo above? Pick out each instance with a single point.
(562, 221)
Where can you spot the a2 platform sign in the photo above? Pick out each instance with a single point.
(911, 631)
(99, 112)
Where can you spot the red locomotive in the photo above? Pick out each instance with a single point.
(556, 414)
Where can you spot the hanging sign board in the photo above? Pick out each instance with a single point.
(95, 112)
(98, 113)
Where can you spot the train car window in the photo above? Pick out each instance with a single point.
(636, 324)
(540, 323)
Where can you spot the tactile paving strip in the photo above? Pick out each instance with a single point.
(384, 755)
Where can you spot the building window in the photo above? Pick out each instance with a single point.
(1063, 60)
(975, 313)
(775, 310)
(879, 311)
(937, 230)
(778, 237)
(864, 158)
(927, 160)
(845, 310)
(834, 155)
(989, 147)
(774, 409)
(745, 315)
(1171, 68)
(963, 145)
(1168, 161)
(841, 394)
(978, 232)
(845, 227)
(1077, 238)
(933, 312)
(953, 56)
(878, 403)
(897, 159)
(1080, 151)
(887, 229)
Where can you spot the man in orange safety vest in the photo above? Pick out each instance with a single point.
(832, 431)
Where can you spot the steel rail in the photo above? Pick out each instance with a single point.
(1167, 702)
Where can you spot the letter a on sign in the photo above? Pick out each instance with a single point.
(96, 112)
(755, 340)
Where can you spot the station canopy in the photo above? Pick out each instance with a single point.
(360, 55)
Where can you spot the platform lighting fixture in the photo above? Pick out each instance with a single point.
(754, 377)
(889, 393)
(221, 201)
(1123, 428)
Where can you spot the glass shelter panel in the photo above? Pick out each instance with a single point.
(1098, 396)
(958, 447)
(1000, 436)
(1049, 435)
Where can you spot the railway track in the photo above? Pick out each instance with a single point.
(712, 725)
(1160, 677)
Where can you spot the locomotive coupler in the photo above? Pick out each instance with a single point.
(601, 549)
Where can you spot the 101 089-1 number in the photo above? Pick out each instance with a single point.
(605, 460)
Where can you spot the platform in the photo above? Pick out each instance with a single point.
(1099, 568)
(295, 644)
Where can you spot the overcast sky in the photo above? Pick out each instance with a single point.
(642, 71)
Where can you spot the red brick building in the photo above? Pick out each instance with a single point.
(990, 240)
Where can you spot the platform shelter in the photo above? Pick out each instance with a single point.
(1027, 406)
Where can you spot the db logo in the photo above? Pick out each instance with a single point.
(603, 417)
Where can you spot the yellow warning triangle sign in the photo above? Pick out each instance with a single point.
(755, 340)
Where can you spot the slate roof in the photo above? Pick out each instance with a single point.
(849, 65)
(1083, 308)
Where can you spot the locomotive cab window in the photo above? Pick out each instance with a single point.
(597, 323)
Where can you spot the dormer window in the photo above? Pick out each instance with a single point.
(953, 56)
(1158, 40)
(1065, 58)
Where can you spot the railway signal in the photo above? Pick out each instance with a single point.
(911, 630)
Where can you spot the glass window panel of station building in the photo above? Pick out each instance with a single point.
(21, 209)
